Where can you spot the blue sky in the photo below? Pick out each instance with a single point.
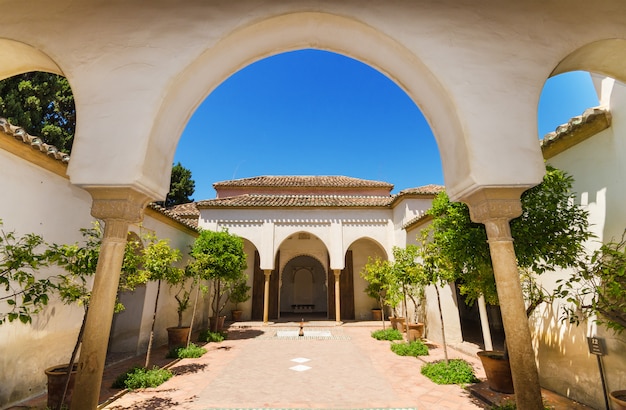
(312, 112)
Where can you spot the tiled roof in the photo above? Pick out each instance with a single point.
(37, 143)
(304, 181)
(185, 210)
(299, 201)
(431, 189)
(576, 130)
(182, 219)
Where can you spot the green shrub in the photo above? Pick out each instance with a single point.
(192, 351)
(208, 336)
(457, 371)
(387, 334)
(140, 378)
(416, 348)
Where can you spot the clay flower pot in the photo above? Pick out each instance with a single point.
(618, 397)
(57, 376)
(416, 331)
(177, 337)
(498, 371)
(377, 314)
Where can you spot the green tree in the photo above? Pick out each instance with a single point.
(219, 258)
(22, 293)
(597, 288)
(43, 104)
(550, 233)
(182, 187)
(406, 272)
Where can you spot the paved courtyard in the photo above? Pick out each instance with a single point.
(330, 367)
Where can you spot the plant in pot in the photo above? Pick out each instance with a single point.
(376, 272)
(550, 233)
(183, 283)
(406, 272)
(219, 258)
(239, 292)
(596, 291)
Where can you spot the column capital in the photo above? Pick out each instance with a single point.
(491, 203)
(267, 272)
(337, 273)
(117, 203)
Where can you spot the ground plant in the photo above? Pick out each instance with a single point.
(415, 348)
(140, 378)
(455, 371)
(387, 334)
(189, 352)
(209, 336)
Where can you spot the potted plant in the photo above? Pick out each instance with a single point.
(239, 293)
(550, 233)
(219, 258)
(376, 272)
(597, 291)
(178, 336)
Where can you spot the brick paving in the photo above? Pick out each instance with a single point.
(253, 369)
(257, 367)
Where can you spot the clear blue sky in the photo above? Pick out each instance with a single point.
(312, 112)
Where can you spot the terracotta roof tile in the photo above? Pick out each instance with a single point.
(35, 142)
(576, 130)
(190, 222)
(296, 201)
(431, 189)
(303, 181)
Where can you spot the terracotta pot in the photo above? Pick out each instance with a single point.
(216, 326)
(236, 315)
(177, 337)
(618, 397)
(57, 376)
(377, 314)
(398, 323)
(416, 331)
(498, 371)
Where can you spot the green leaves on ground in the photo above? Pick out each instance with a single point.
(387, 334)
(456, 371)
(190, 352)
(140, 378)
(415, 348)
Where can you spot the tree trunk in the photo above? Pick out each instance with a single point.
(79, 340)
(443, 330)
(156, 303)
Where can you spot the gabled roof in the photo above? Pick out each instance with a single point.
(295, 201)
(303, 181)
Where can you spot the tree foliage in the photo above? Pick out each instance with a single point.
(22, 292)
(597, 288)
(182, 186)
(550, 233)
(219, 257)
(43, 104)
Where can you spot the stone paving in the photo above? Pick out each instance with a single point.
(257, 368)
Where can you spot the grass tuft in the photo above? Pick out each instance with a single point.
(140, 378)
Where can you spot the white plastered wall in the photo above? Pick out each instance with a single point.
(41, 202)
(597, 165)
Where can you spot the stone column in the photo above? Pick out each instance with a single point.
(337, 273)
(117, 207)
(496, 207)
(266, 296)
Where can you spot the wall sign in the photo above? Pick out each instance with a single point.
(596, 346)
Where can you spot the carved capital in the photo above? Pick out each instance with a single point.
(337, 273)
(118, 203)
(267, 273)
(495, 207)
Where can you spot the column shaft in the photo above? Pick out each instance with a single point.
(117, 207)
(266, 296)
(495, 207)
(337, 273)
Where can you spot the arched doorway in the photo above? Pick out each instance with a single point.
(303, 290)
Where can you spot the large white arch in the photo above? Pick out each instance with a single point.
(321, 31)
